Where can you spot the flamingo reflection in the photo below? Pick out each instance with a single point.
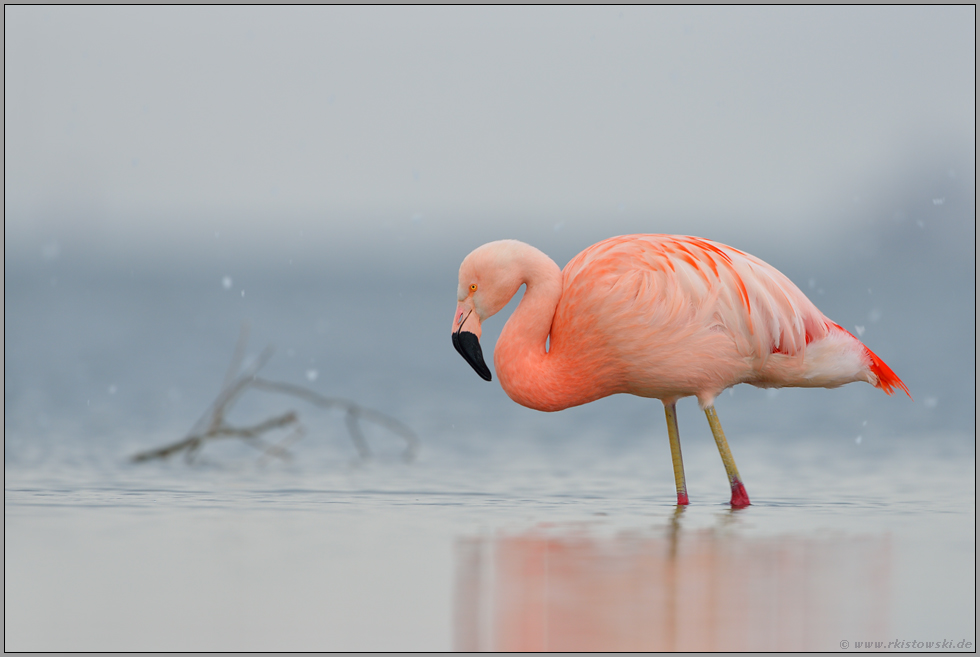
(569, 589)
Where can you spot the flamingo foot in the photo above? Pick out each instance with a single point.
(682, 499)
(740, 498)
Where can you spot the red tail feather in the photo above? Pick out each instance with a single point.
(887, 380)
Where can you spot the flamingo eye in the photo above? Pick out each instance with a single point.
(473, 287)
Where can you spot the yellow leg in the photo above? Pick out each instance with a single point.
(675, 453)
(739, 496)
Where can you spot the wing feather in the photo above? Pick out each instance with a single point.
(692, 284)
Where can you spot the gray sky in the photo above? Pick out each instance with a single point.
(285, 116)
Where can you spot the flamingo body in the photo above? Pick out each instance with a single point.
(660, 316)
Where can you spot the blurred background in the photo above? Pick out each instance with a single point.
(320, 173)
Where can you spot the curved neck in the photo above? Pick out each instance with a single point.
(521, 358)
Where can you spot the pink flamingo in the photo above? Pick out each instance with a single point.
(661, 316)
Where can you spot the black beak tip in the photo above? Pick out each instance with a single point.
(468, 346)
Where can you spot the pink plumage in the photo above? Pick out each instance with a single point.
(661, 316)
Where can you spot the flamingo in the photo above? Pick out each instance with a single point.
(658, 316)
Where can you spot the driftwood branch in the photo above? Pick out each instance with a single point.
(213, 424)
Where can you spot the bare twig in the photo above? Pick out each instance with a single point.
(212, 424)
(354, 412)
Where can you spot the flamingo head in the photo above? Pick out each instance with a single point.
(487, 281)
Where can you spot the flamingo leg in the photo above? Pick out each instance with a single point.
(675, 453)
(740, 497)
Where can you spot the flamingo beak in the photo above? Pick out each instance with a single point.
(467, 343)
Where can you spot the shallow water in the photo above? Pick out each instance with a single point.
(530, 549)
